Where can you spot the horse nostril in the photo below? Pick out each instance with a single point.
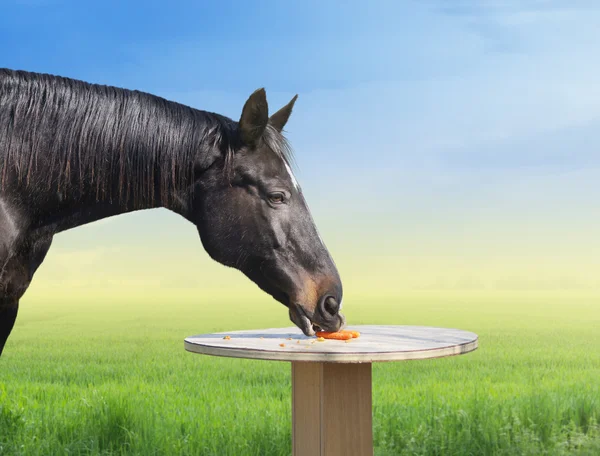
(331, 305)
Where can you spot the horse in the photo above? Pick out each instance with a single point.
(73, 152)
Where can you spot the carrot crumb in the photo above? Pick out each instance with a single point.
(282, 345)
(227, 337)
(320, 339)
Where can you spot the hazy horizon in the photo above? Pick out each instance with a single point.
(439, 147)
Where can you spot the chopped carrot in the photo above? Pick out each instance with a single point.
(355, 334)
(282, 345)
(227, 337)
(342, 335)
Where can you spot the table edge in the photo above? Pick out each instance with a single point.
(342, 358)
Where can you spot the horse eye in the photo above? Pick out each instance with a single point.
(276, 198)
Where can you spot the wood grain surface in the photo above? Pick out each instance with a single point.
(376, 343)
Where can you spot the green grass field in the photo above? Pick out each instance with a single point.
(98, 378)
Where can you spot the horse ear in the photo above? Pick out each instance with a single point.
(280, 118)
(254, 119)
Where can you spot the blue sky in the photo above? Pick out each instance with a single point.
(414, 118)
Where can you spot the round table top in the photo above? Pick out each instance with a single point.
(376, 343)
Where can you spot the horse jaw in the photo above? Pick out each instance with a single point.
(300, 319)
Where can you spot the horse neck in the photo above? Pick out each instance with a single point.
(136, 151)
(76, 204)
(64, 213)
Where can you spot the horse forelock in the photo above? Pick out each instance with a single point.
(279, 144)
(276, 142)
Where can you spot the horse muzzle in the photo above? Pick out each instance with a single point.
(326, 316)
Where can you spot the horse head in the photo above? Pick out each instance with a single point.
(251, 215)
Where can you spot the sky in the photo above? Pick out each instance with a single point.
(440, 145)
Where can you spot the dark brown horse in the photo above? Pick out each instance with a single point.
(72, 153)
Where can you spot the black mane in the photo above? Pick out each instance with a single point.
(59, 133)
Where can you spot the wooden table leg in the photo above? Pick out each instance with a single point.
(332, 412)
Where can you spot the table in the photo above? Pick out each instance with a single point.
(331, 380)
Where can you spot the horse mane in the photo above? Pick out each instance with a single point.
(62, 132)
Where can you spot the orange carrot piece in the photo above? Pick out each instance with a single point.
(335, 335)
